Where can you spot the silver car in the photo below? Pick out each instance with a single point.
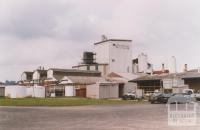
(181, 98)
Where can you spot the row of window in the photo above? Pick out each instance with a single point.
(96, 67)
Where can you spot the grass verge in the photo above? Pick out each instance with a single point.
(62, 102)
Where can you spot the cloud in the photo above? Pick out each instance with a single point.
(55, 33)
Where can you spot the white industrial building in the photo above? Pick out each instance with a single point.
(110, 55)
(117, 53)
(65, 82)
(105, 89)
(141, 65)
(115, 86)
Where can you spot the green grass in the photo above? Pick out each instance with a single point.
(62, 102)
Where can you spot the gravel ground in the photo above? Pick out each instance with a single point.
(115, 117)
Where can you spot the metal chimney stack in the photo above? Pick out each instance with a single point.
(163, 67)
(185, 68)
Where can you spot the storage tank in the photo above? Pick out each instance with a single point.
(88, 58)
(172, 65)
(142, 63)
(70, 91)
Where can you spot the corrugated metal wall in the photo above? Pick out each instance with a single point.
(111, 91)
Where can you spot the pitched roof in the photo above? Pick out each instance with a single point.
(81, 80)
(121, 77)
(28, 72)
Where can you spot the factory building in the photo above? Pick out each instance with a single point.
(172, 82)
(141, 65)
(69, 82)
(115, 86)
(192, 79)
(110, 55)
(163, 83)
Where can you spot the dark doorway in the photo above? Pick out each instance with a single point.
(121, 90)
(81, 92)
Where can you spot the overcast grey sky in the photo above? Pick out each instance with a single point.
(54, 33)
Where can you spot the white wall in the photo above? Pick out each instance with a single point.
(118, 54)
(102, 52)
(70, 91)
(50, 74)
(172, 64)
(24, 77)
(15, 91)
(129, 87)
(92, 91)
(142, 63)
(120, 57)
(36, 75)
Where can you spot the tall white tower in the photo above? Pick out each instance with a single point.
(142, 63)
(117, 53)
(172, 64)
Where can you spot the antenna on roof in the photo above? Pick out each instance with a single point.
(104, 38)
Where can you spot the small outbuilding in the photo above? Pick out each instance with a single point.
(106, 89)
(69, 82)
(103, 90)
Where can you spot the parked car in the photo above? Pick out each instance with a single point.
(130, 96)
(192, 93)
(160, 98)
(181, 98)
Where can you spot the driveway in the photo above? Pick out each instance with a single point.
(115, 117)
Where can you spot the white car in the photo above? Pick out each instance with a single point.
(130, 96)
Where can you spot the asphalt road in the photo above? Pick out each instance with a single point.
(116, 117)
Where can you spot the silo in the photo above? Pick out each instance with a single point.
(142, 63)
(172, 64)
